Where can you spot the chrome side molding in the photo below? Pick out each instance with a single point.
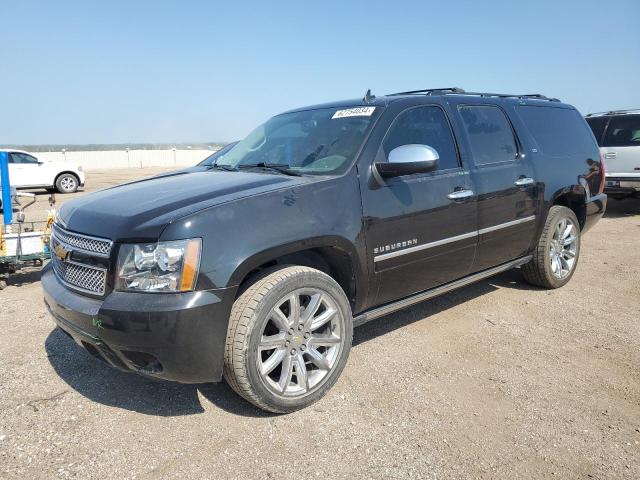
(457, 238)
(434, 292)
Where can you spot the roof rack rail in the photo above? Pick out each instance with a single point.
(431, 91)
(460, 91)
(614, 112)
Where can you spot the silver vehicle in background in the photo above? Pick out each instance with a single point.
(618, 135)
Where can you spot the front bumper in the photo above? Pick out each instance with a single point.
(595, 208)
(178, 337)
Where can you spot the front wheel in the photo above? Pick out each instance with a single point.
(556, 254)
(67, 183)
(288, 340)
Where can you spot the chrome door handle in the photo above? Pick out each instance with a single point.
(610, 155)
(460, 194)
(523, 182)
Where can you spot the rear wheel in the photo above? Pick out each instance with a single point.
(556, 255)
(67, 183)
(288, 340)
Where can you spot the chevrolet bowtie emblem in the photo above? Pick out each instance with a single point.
(62, 253)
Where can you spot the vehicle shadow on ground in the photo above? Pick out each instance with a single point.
(24, 277)
(622, 208)
(103, 384)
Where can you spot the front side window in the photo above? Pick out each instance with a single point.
(490, 134)
(424, 126)
(318, 142)
(623, 131)
(23, 158)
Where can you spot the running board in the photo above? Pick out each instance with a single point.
(434, 292)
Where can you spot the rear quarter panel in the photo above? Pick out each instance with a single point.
(578, 172)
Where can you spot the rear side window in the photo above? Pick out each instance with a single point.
(489, 133)
(597, 125)
(424, 126)
(623, 131)
(559, 132)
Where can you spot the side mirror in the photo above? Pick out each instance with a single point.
(40, 162)
(407, 160)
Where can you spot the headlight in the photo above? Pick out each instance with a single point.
(159, 267)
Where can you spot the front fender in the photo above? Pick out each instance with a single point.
(239, 236)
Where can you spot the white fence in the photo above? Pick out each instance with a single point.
(98, 160)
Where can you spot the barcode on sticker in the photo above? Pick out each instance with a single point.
(354, 112)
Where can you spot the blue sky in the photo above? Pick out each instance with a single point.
(156, 71)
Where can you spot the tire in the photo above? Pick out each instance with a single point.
(554, 262)
(67, 183)
(263, 342)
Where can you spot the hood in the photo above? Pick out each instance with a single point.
(139, 211)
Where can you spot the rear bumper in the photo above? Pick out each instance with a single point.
(622, 186)
(178, 337)
(595, 208)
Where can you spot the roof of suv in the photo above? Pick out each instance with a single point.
(614, 112)
(372, 101)
(14, 150)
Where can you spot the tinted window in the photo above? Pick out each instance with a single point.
(424, 126)
(623, 131)
(597, 125)
(489, 133)
(557, 131)
(22, 158)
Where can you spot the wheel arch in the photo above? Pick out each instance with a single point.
(574, 198)
(332, 255)
(70, 172)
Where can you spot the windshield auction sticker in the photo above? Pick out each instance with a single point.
(354, 112)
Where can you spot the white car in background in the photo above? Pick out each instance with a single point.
(26, 171)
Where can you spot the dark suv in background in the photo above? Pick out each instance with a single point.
(618, 134)
(320, 220)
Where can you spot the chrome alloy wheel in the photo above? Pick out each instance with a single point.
(68, 183)
(300, 343)
(562, 249)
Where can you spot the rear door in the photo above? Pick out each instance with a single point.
(420, 229)
(621, 146)
(505, 184)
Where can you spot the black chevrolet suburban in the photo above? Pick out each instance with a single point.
(323, 218)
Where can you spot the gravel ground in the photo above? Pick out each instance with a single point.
(497, 380)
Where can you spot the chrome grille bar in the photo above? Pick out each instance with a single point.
(81, 277)
(100, 247)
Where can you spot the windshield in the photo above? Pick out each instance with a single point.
(207, 162)
(320, 142)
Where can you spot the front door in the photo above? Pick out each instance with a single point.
(505, 184)
(24, 170)
(420, 228)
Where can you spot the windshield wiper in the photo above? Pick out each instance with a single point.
(226, 168)
(278, 167)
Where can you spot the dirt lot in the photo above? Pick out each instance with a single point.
(498, 380)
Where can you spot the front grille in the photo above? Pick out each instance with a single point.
(81, 277)
(97, 246)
